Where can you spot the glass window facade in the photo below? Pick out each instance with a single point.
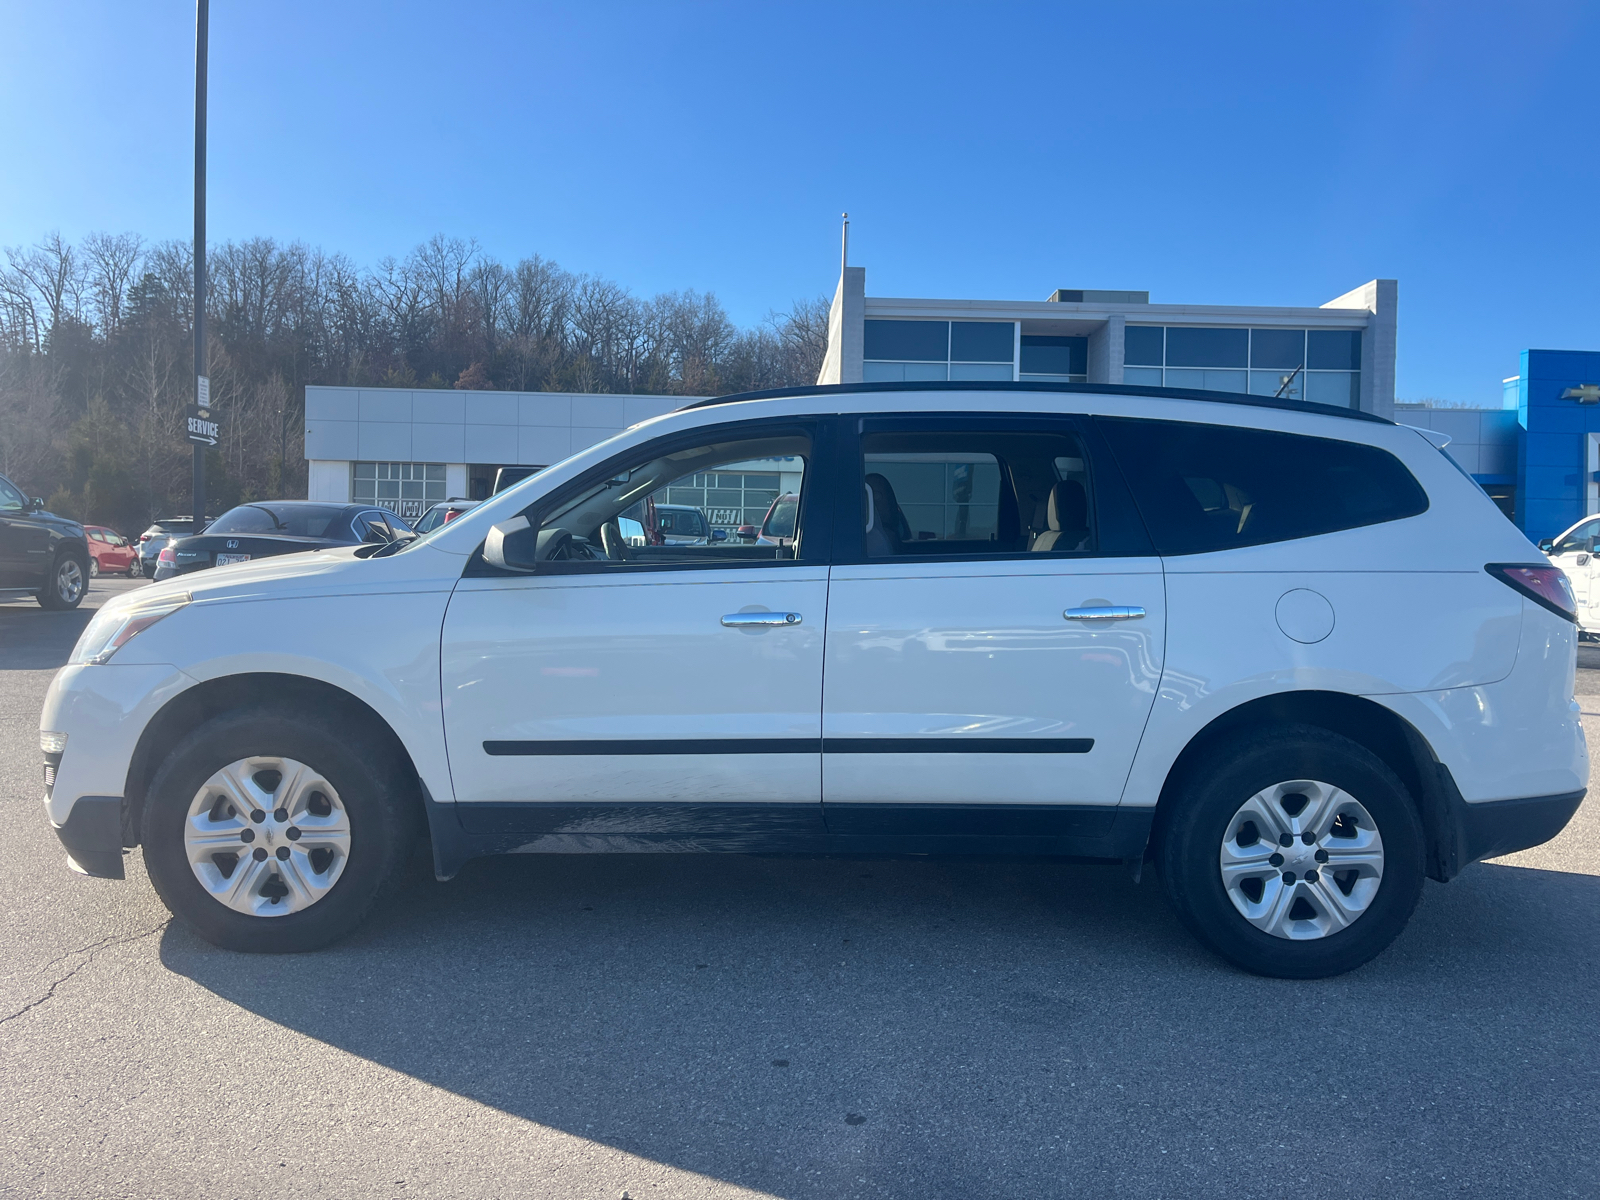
(406, 489)
(900, 351)
(1319, 365)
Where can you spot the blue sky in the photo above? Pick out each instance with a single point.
(1219, 153)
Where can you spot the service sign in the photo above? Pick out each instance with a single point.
(203, 426)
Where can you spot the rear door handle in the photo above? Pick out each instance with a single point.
(1105, 612)
(751, 620)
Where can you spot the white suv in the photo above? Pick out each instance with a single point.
(1289, 654)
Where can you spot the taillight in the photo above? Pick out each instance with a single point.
(167, 556)
(1545, 585)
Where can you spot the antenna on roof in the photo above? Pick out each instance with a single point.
(844, 246)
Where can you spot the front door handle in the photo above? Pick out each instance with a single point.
(1105, 612)
(758, 620)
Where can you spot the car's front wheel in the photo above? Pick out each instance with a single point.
(94, 568)
(1295, 853)
(65, 585)
(268, 833)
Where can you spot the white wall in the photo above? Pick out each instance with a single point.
(329, 481)
(438, 426)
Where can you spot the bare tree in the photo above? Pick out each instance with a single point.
(112, 261)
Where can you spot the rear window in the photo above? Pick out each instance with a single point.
(1212, 487)
(680, 523)
(299, 521)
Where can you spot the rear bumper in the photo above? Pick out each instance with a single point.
(1495, 827)
(93, 836)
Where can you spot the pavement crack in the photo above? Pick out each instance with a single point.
(87, 954)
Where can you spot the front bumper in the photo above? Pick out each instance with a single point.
(93, 836)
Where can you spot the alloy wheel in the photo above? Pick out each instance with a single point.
(1301, 859)
(267, 836)
(69, 581)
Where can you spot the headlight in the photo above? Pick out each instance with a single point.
(114, 627)
(52, 743)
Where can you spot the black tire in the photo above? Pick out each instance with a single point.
(378, 798)
(62, 589)
(1192, 833)
(94, 568)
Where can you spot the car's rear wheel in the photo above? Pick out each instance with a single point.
(1294, 853)
(67, 581)
(268, 833)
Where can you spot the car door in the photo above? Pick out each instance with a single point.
(996, 621)
(1574, 553)
(625, 687)
(24, 541)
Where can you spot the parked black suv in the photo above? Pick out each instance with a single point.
(40, 553)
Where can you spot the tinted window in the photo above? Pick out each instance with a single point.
(1281, 349)
(10, 498)
(296, 521)
(1334, 350)
(1054, 355)
(1212, 487)
(780, 521)
(982, 341)
(1206, 347)
(960, 492)
(1141, 344)
(919, 341)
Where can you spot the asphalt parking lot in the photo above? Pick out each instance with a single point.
(677, 1027)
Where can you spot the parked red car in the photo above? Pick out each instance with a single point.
(109, 551)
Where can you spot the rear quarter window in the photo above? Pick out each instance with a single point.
(1214, 487)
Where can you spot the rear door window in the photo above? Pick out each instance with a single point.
(1215, 487)
(958, 487)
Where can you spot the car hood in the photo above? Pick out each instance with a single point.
(334, 571)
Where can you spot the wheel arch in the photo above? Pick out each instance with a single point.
(298, 695)
(1384, 732)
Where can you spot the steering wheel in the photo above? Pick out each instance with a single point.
(611, 541)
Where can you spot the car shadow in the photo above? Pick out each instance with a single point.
(822, 1028)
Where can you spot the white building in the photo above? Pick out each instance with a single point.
(407, 449)
(1342, 352)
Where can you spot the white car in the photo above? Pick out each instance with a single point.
(1289, 654)
(1574, 553)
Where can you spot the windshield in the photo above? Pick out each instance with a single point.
(300, 520)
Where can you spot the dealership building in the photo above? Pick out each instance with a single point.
(1538, 454)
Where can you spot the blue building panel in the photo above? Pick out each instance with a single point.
(1584, 365)
(1553, 456)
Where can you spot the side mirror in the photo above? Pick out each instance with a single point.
(1547, 544)
(747, 533)
(36, 504)
(719, 535)
(515, 545)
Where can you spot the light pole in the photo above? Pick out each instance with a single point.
(202, 385)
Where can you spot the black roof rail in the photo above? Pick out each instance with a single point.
(1030, 385)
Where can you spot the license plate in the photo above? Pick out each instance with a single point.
(224, 559)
